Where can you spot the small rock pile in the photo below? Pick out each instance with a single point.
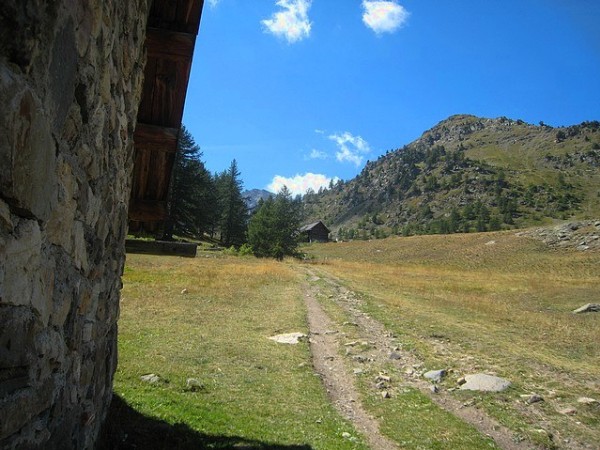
(581, 235)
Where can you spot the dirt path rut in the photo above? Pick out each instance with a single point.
(338, 378)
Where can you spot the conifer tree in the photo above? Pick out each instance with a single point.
(192, 195)
(233, 218)
(273, 230)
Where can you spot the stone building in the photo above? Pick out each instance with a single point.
(71, 82)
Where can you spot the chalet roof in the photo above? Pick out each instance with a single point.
(170, 40)
(313, 225)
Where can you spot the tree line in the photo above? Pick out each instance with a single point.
(202, 205)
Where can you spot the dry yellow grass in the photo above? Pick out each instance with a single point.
(491, 302)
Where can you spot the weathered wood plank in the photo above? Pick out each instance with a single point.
(170, 87)
(170, 45)
(156, 138)
(145, 109)
(176, 15)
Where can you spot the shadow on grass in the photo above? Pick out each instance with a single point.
(127, 429)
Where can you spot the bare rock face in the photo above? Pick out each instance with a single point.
(70, 85)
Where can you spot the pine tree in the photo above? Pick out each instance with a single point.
(192, 196)
(233, 218)
(273, 230)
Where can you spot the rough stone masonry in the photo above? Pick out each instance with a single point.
(70, 84)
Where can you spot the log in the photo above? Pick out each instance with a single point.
(165, 248)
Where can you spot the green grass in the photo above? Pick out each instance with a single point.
(253, 389)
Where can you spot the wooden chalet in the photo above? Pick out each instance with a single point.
(171, 36)
(315, 232)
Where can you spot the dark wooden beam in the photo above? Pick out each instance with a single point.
(156, 138)
(186, 249)
(170, 45)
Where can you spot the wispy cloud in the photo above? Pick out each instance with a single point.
(350, 148)
(299, 184)
(213, 3)
(384, 16)
(316, 154)
(292, 23)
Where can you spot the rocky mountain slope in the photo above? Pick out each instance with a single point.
(469, 174)
(253, 196)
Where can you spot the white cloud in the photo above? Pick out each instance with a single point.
(213, 3)
(351, 148)
(316, 154)
(384, 16)
(292, 23)
(299, 184)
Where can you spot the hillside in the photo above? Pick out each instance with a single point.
(469, 174)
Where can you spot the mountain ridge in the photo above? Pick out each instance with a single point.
(469, 173)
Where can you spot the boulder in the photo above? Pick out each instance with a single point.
(485, 383)
(590, 307)
(435, 375)
(289, 338)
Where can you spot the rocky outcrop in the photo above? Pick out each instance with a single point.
(70, 82)
(581, 235)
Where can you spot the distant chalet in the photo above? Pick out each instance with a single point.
(315, 232)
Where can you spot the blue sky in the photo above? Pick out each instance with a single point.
(300, 92)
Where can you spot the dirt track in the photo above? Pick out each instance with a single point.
(338, 378)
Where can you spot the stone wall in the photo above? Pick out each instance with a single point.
(70, 81)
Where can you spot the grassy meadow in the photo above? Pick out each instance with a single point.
(253, 392)
(495, 303)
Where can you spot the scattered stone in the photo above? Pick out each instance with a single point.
(358, 371)
(346, 435)
(289, 338)
(386, 394)
(351, 344)
(150, 378)
(485, 383)
(194, 385)
(381, 385)
(490, 243)
(382, 377)
(461, 381)
(395, 356)
(184, 291)
(330, 332)
(435, 375)
(360, 359)
(533, 398)
(568, 411)
(434, 389)
(588, 401)
(353, 324)
(590, 307)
